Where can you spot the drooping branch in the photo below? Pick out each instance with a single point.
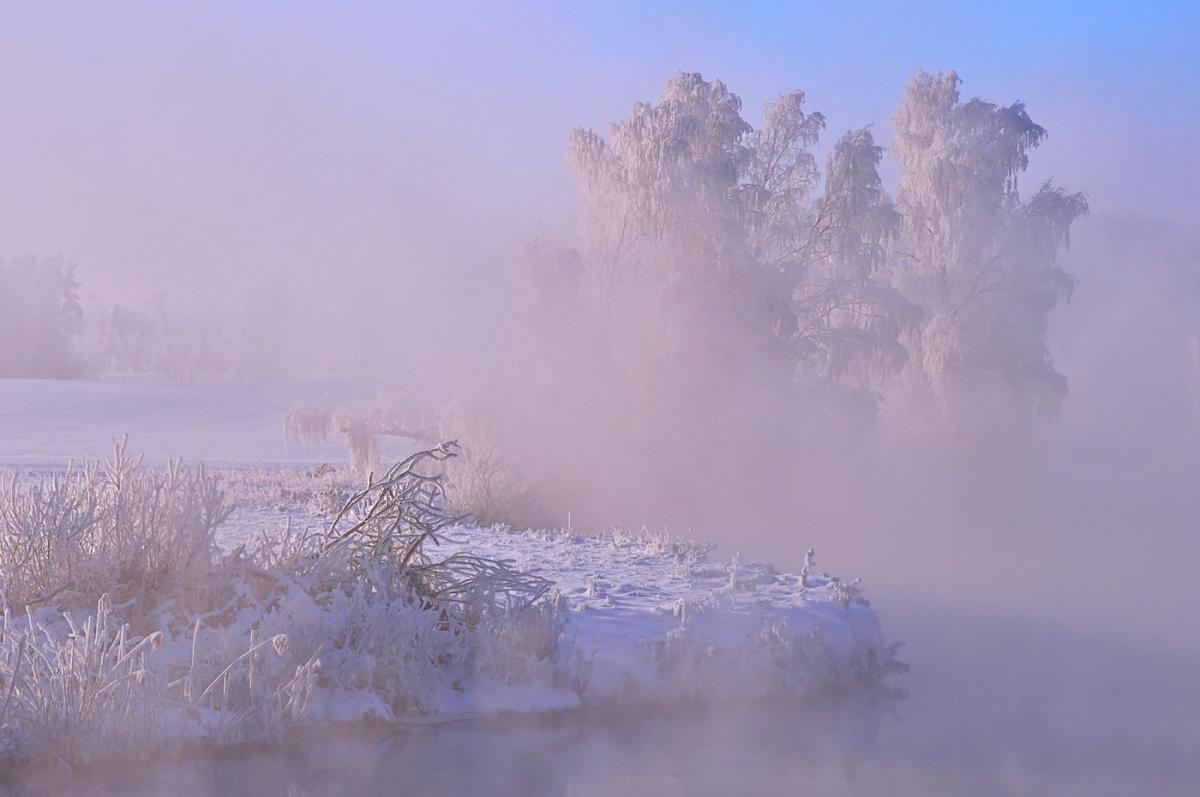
(393, 522)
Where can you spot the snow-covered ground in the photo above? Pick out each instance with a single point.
(651, 618)
(656, 618)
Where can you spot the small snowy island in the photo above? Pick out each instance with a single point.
(159, 606)
(650, 618)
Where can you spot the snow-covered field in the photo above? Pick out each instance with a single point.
(47, 422)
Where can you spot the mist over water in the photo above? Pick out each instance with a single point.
(294, 198)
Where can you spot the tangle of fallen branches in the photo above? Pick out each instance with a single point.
(390, 525)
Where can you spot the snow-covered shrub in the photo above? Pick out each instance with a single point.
(110, 527)
(401, 629)
(400, 626)
(384, 533)
(404, 659)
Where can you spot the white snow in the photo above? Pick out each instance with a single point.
(651, 617)
(658, 620)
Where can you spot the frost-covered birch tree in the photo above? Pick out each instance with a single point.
(848, 317)
(980, 261)
(661, 242)
(705, 242)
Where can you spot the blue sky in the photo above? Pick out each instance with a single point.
(138, 134)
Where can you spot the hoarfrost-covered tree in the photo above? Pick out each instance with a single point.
(661, 237)
(849, 319)
(703, 242)
(724, 293)
(714, 299)
(776, 191)
(980, 261)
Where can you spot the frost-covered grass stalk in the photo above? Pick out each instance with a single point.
(78, 695)
(106, 527)
(235, 706)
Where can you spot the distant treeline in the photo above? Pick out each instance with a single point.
(41, 318)
(48, 332)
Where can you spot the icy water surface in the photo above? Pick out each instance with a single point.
(1022, 709)
(759, 750)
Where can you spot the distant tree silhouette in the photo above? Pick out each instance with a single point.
(40, 318)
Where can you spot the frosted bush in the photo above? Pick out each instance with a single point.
(386, 531)
(110, 527)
